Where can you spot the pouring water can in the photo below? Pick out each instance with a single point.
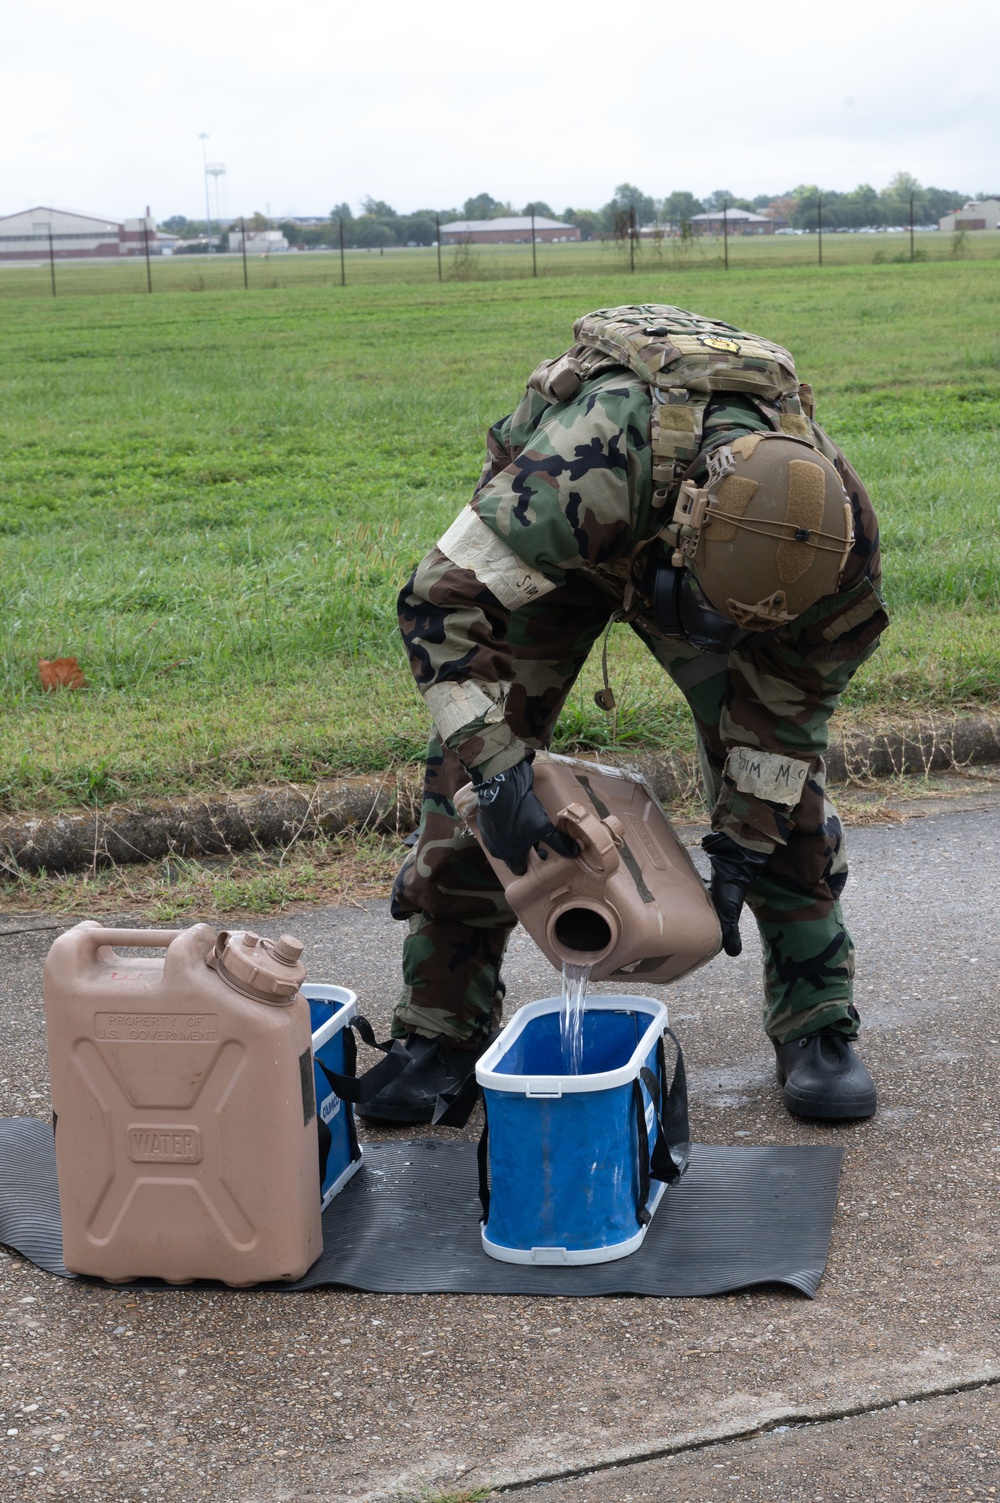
(631, 905)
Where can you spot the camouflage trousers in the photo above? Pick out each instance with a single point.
(459, 918)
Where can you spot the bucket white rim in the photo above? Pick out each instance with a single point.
(542, 1086)
(315, 991)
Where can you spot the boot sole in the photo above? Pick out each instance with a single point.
(828, 1109)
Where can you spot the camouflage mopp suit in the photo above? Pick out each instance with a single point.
(500, 616)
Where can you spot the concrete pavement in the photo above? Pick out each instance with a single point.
(928, 1449)
(264, 1398)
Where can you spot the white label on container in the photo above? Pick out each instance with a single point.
(330, 1107)
(157, 1027)
(163, 1143)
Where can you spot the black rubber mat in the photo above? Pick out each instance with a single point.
(408, 1223)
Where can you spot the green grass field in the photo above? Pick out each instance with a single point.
(212, 501)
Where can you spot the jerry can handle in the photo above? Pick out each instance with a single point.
(149, 939)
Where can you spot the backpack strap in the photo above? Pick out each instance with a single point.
(677, 424)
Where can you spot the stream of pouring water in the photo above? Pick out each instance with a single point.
(574, 991)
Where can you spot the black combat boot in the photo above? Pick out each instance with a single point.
(824, 1078)
(438, 1075)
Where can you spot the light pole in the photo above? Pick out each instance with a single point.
(203, 137)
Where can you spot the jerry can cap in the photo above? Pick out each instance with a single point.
(268, 970)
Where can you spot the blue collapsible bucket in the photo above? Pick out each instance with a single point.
(577, 1164)
(333, 1009)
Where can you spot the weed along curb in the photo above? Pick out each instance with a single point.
(932, 743)
(212, 825)
(209, 825)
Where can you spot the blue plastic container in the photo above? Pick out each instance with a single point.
(332, 1008)
(565, 1151)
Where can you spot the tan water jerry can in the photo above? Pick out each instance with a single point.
(182, 1088)
(631, 904)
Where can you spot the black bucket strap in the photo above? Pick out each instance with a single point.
(350, 1068)
(356, 1089)
(453, 1107)
(483, 1161)
(672, 1149)
(642, 1199)
(324, 1134)
(361, 1025)
(672, 1152)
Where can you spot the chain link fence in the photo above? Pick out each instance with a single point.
(645, 253)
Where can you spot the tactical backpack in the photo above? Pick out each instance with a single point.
(724, 573)
(684, 360)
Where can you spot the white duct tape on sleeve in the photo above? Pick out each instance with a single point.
(454, 706)
(470, 544)
(767, 775)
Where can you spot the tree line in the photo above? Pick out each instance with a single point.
(379, 225)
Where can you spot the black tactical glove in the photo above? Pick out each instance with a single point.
(734, 868)
(511, 819)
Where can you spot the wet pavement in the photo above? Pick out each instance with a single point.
(265, 1398)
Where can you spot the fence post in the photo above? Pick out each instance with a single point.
(145, 241)
(243, 248)
(437, 227)
(534, 259)
(52, 262)
(725, 233)
(631, 237)
(911, 227)
(819, 224)
(343, 273)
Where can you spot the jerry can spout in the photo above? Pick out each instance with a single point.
(584, 931)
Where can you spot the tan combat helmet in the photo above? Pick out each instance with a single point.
(769, 532)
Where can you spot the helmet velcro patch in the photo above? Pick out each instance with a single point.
(745, 445)
(803, 514)
(734, 494)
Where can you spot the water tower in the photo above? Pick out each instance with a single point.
(216, 171)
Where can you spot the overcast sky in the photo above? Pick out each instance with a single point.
(311, 102)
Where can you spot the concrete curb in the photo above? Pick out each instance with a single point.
(211, 825)
(214, 825)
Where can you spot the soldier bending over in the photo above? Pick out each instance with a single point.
(666, 471)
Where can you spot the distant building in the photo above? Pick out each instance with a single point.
(734, 222)
(26, 236)
(35, 234)
(259, 242)
(134, 236)
(513, 230)
(978, 214)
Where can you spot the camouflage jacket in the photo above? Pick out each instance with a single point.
(567, 493)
